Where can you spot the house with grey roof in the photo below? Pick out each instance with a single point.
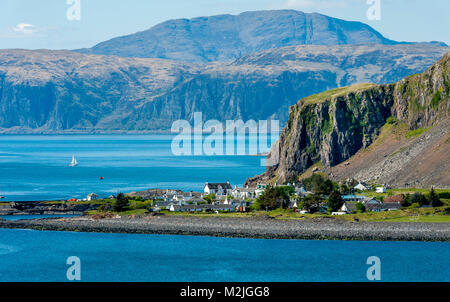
(243, 193)
(220, 189)
(391, 206)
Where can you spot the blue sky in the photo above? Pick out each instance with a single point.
(44, 24)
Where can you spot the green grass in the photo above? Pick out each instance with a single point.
(416, 133)
(418, 215)
(330, 94)
(435, 219)
(126, 213)
(411, 191)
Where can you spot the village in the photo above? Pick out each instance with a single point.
(224, 198)
(314, 195)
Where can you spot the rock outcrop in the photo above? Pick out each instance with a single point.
(331, 127)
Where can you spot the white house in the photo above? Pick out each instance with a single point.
(348, 207)
(381, 189)
(92, 196)
(260, 188)
(362, 187)
(243, 193)
(219, 189)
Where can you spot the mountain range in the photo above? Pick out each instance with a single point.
(251, 66)
(229, 37)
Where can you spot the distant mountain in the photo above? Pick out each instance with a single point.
(61, 91)
(228, 37)
(50, 91)
(393, 133)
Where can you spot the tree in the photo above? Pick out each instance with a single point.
(122, 203)
(312, 203)
(406, 200)
(344, 189)
(418, 198)
(434, 199)
(360, 208)
(319, 184)
(210, 198)
(273, 198)
(335, 201)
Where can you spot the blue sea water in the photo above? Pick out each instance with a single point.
(25, 217)
(36, 167)
(41, 256)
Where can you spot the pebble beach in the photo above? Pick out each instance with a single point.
(250, 227)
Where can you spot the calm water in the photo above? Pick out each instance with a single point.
(37, 167)
(25, 256)
(25, 217)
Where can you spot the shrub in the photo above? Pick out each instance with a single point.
(444, 195)
(418, 198)
(415, 205)
(391, 120)
(104, 207)
(360, 208)
(210, 198)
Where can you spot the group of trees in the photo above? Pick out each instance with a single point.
(420, 199)
(274, 198)
(319, 184)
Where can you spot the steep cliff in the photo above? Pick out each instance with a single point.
(331, 127)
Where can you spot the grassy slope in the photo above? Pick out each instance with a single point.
(331, 94)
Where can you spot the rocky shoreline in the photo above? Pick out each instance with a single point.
(257, 227)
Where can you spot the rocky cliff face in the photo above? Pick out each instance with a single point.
(333, 126)
(55, 91)
(228, 37)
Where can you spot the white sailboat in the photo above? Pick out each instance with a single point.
(74, 162)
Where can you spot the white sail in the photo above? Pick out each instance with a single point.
(74, 162)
